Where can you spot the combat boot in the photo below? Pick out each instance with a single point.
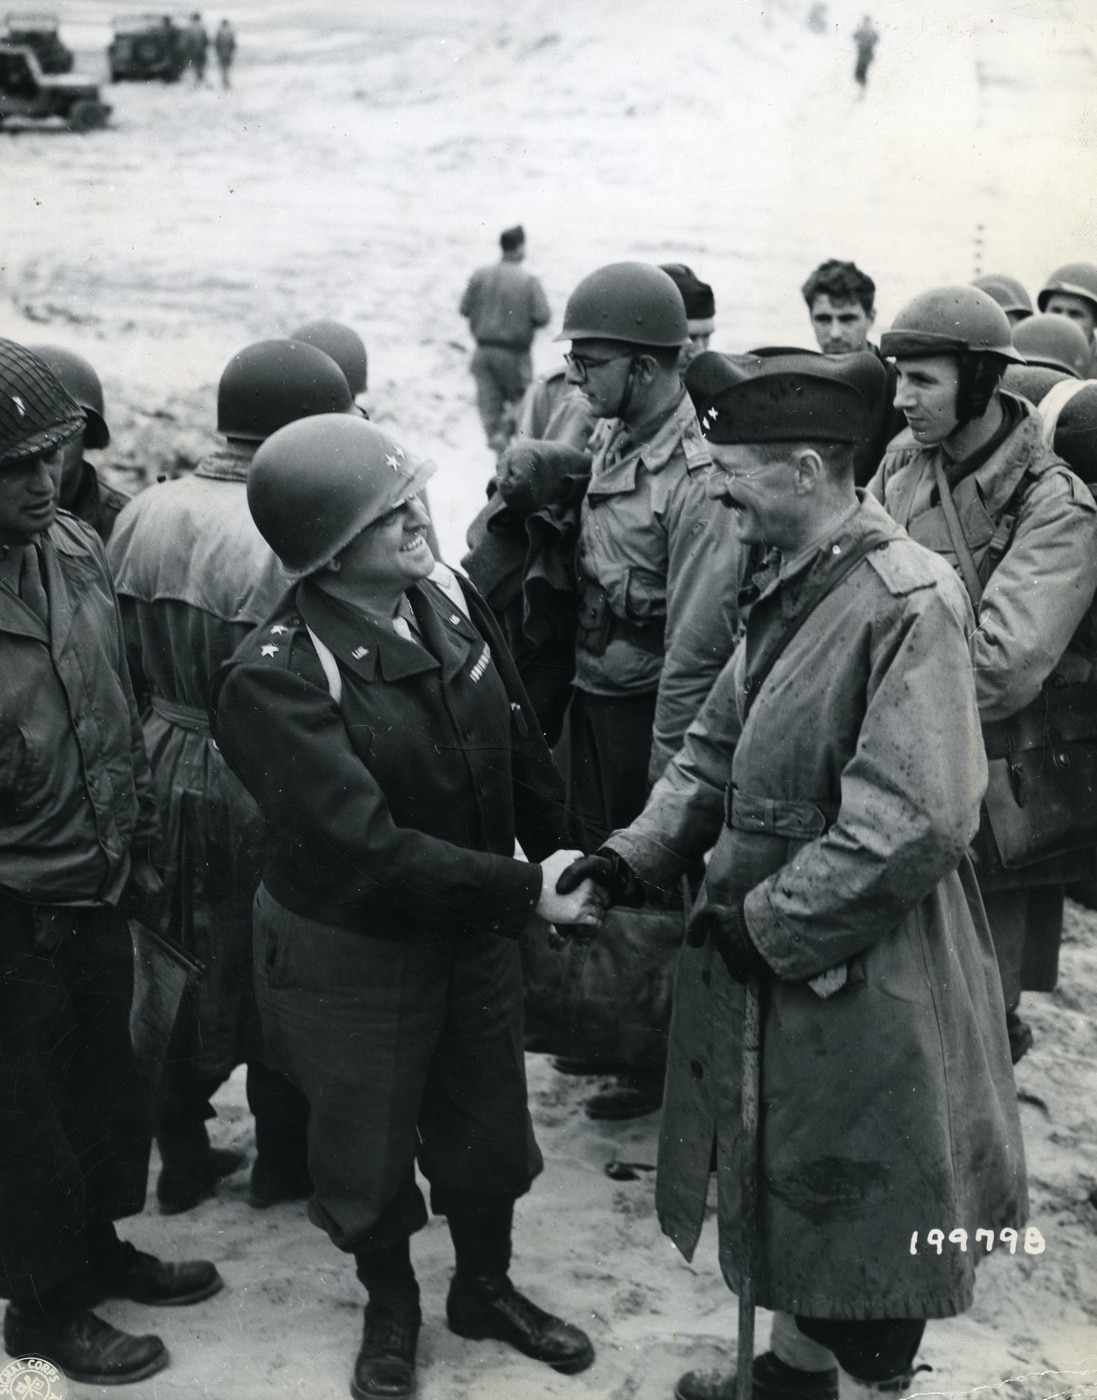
(385, 1366)
(82, 1345)
(773, 1379)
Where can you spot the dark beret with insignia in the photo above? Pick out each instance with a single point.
(785, 395)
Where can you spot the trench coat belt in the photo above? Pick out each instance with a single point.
(795, 820)
(183, 716)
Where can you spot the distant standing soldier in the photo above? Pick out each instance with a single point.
(1071, 291)
(83, 492)
(224, 46)
(504, 306)
(197, 48)
(866, 37)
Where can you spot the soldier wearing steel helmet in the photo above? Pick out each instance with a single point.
(78, 846)
(194, 576)
(378, 721)
(658, 576)
(1030, 535)
(83, 491)
(1053, 342)
(1008, 292)
(1071, 291)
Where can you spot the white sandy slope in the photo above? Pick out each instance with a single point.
(360, 168)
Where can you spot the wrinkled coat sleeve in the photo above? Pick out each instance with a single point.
(284, 737)
(1036, 598)
(684, 813)
(910, 797)
(703, 568)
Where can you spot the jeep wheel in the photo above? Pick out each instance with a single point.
(87, 115)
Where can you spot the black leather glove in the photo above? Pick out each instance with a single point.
(726, 925)
(609, 872)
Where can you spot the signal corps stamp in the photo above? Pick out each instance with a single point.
(32, 1378)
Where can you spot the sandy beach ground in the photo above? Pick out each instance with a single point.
(361, 167)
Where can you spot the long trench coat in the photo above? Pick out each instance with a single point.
(888, 1107)
(194, 576)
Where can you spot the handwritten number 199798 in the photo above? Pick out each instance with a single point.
(1034, 1242)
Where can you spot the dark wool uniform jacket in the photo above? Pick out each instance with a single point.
(394, 812)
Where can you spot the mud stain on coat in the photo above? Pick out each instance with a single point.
(831, 1188)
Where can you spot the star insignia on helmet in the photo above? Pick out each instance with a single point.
(20, 405)
(711, 415)
(269, 650)
(391, 461)
(278, 630)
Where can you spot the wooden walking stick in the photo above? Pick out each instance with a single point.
(748, 1189)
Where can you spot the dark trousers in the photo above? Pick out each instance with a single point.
(870, 1351)
(74, 1111)
(1027, 928)
(406, 1049)
(608, 746)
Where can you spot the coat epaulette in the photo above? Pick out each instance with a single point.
(272, 641)
(904, 567)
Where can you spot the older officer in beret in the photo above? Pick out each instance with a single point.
(836, 769)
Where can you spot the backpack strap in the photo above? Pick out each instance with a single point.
(969, 570)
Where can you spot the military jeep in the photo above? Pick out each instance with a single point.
(38, 32)
(31, 95)
(146, 47)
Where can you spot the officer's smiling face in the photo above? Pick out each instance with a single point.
(390, 554)
(926, 394)
(28, 497)
(760, 490)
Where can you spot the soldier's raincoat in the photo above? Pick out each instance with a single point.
(888, 1107)
(194, 576)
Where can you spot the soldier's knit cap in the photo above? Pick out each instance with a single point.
(788, 396)
(37, 414)
(697, 295)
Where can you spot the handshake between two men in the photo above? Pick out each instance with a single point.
(578, 889)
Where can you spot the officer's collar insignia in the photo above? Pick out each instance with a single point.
(278, 630)
(269, 650)
(359, 652)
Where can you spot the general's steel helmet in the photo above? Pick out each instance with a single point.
(1077, 279)
(37, 413)
(947, 321)
(82, 382)
(1006, 291)
(316, 484)
(275, 382)
(345, 347)
(1053, 341)
(630, 301)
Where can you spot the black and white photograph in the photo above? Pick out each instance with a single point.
(548, 700)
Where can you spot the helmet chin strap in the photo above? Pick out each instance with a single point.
(626, 392)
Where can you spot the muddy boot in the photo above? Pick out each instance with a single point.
(633, 1096)
(385, 1366)
(774, 1379)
